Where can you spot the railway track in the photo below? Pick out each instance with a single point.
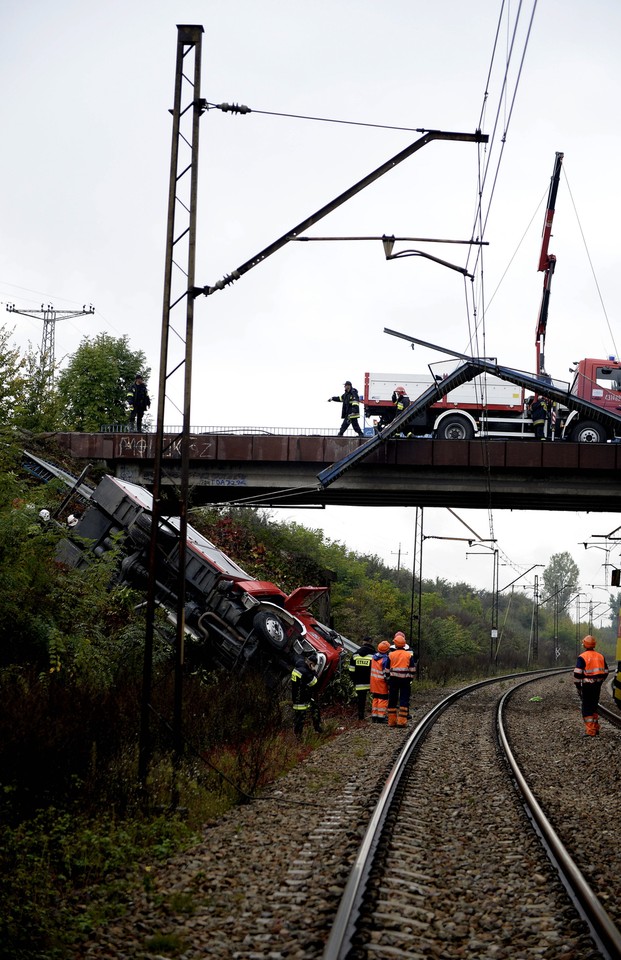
(450, 866)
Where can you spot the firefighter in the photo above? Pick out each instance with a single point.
(380, 665)
(401, 670)
(539, 411)
(589, 674)
(360, 673)
(303, 680)
(401, 401)
(138, 400)
(350, 410)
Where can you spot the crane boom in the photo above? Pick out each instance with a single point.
(547, 263)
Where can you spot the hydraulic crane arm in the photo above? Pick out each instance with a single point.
(547, 263)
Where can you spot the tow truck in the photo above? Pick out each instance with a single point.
(494, 405)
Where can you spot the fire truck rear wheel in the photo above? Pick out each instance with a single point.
(588, 432)
(455, 428)
(268, 625)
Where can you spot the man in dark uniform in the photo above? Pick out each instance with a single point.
(539, 410)
(360, 673)
(138, 400)
(350, 410)
(303, 680)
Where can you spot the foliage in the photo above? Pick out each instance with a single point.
(11, 378)
(561, 579)
(93, 387)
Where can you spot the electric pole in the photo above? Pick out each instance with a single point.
(48, 341)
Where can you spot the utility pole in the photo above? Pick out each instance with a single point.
(48, 340)
(399, 555)
(170, 505)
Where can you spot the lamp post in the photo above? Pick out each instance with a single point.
(494, 618)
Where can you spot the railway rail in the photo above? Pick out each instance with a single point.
(472, 879)
(420, 888)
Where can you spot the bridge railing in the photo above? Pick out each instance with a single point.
(242, 431)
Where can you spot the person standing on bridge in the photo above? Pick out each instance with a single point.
(138, 400)
(360, 673)
(539, 411)
(401, 671)
(350, 409)
(589, 674)
(401, 402)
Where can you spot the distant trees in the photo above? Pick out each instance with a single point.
(561, 580)
(92, 388)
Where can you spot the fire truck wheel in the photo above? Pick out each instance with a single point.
(455, 427)
(268, 625)
(588, 432)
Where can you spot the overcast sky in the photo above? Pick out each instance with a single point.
(84, 165)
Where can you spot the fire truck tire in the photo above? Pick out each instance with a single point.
(587, 431)
(455, 427)
(268, 626)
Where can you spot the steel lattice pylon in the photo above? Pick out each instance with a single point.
(48, 340)
(175, 377)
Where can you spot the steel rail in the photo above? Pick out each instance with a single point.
(348, 914)
(605, 933)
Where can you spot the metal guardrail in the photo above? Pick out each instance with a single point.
(242, 431)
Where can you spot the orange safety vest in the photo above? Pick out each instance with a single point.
(401, 667)
(378, 683)
(595, 667)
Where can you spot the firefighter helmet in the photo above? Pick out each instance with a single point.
(384, 646)
(589, 642)
(311, 656)
(44, 515)
(400, 640)
(400, 391)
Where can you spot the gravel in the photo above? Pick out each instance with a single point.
(265, 881)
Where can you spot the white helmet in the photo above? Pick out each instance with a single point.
(44, 515)
(71, 520)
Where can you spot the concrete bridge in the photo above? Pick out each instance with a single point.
(282, 470)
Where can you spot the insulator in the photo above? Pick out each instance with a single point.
(233, 108)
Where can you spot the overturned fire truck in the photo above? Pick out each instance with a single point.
(232, 620)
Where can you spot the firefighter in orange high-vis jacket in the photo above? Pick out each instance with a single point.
(401, 671)
(589, 674)
(303, 683)
(360, 673)
(380, 665)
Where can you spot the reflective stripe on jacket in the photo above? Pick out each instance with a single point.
(591, 667)
(302, 679)
(402, 664)
(360, 667)
(379, 668)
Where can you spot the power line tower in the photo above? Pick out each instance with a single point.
(50, 319)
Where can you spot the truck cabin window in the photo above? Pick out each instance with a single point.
(608, 379)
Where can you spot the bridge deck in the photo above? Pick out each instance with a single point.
(282, 470)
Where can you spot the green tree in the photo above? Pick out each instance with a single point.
(11, 378)
(561, 580)
(93, 387)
